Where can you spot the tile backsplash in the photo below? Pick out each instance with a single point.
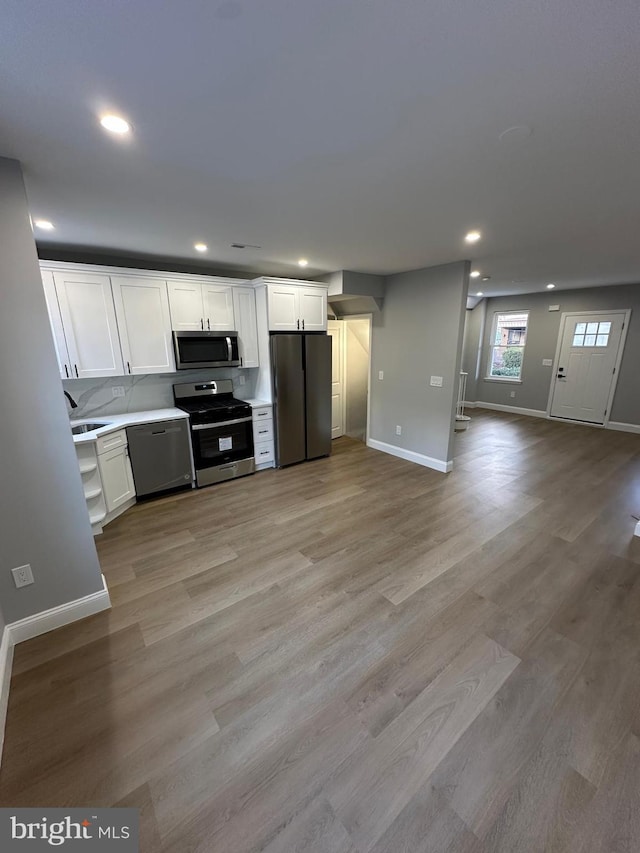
(150, 391)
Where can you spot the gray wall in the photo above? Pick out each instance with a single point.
(43, 514)
(419, 334)
(542, 337)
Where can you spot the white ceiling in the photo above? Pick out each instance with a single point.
(362, 134)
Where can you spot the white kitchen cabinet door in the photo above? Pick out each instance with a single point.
(244, 305)
(89, 322)
(217, 301)
(142, 309)
(185, 306)
(313, 309)
(55, 318)
(283, 306)
(117, 477)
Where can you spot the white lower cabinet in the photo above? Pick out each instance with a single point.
(117, 477)
(107, 478)
(263, 448)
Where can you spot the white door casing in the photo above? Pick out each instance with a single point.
(336, 329)
(587, 362)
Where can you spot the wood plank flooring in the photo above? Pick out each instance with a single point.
(359, 655)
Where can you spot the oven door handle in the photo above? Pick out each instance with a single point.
(222, 424)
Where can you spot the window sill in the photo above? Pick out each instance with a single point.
(507, 380)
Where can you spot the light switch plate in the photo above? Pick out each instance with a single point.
(547, 362)
(554, 307)
(22, 575)
(436, 381)
(381, 374)
(118, 390)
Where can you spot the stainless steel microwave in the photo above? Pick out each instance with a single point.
(206, 349)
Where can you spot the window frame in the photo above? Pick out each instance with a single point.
(516, 380)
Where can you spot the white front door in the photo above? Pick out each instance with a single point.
(585, 370)
(335, 328)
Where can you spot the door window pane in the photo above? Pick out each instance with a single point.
(592, 328)
(602, 340)
(581, 328)
(589, 340)
(604, 328)
(578, 340)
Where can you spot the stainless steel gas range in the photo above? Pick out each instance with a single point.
(221, 430)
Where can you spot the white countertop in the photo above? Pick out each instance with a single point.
(254, 403)
(114, 422)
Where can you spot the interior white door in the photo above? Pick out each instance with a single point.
(89, 321)
(185, 306)
(336, 329)
(313, 308)
(589, 345)
(218, 308)
(142, 308)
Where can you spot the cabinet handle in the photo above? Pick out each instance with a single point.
(202, 324)
(298, 323)
(240, 361)
(76, 367)
(66, 371)
(208, 324)
(128, 367)
(303, 325)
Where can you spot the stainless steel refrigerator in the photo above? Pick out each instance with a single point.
(301, 369)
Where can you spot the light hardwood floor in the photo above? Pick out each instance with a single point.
(358, 654)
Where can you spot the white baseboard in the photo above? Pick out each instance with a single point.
(620, 427)
(514, 410)
(42, 623)
(411, 456)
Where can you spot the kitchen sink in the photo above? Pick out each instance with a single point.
(80, 429)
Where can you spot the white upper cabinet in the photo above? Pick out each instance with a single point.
(185, 303)
(313, 308)
(296, 308)
(195, 306)
(217, 304)
(89, 321)
(244, 305)
(142, 309)
(55, 318)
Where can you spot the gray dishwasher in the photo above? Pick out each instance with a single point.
(160, 456)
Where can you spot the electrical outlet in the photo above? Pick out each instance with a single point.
(436, 381)
(512, 394)
(398, 430)
(22, 575)
(241, 379)
(381, 374)
(118, 390)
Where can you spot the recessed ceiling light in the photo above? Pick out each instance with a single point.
(303, 262)
(475, 273)
(200, 247)
(115, 124)
(550, 286)
(473, 236)
(44, 224)
(479, 293)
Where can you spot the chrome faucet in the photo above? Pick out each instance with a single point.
(74, 405)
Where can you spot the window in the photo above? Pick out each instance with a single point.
(508, 340)
(591, 334)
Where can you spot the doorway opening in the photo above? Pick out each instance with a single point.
(587, 363)
(351, 363)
